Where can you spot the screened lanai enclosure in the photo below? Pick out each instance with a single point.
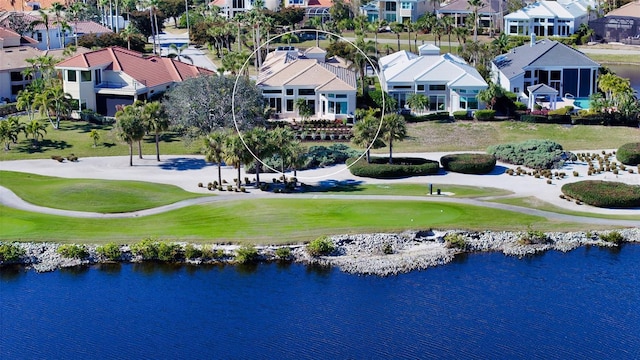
(622, 29)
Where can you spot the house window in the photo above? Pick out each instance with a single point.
(468, 103)
(406, 6)
(437, 87)
(296, 2)
(305, 92)
(555, 75)
(39, 36)
(71, 76)
(437, 103)
(97, 79)
(390, 17)
(516, 90)
(390, 6)
(420, 87)
(15, 89)
(289, 105)
(238, 4)
(527, 84)
(276, 104)
(85, 75)
(290, 92)
(16, 76)
(402, 87)
(527, 74)
(272, 91)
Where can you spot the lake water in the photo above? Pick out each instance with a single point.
(631, 72)
(583, 304)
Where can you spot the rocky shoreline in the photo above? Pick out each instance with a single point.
(364, 254)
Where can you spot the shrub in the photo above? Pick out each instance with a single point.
(387, 249)
(520, 106)
(283, 252)
(111, 251)
(57, 158)
(246, 254)
(485, 115)
(536, 154)
(72, 251)
(455, 241)
(169, 251)
(612, 237)
(629, 154)
(192, 252)
(461, 115)
(534, 237)
(320, 246)
(437, 116)
(606, 194)
(469, 163)
(379, 168)
(11, 252)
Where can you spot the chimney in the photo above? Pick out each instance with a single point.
(533, 39)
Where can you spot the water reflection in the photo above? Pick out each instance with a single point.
(247, 268)
(75, 270)
(110, 268)
(11, 272)
(319, 269)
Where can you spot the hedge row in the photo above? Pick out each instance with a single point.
(485, 115)
(379, 168)
(629, 154)
(605, 194)
(437, 116)
(469, 163)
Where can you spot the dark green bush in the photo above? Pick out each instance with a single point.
(606, 194)
(461, 115)
(629, 154)
(11, 252)
(536, 154)
(437, 116)
(455, 241)
(469, 163)
(110, 251)
(283, 252)
(320, 246)
(72, 251)
(612, 237)
(534, 237)
(379, 168)
(246, 254)
(533, 118)
(151, 249)
(485, 115)
(520, 105)
(169, 251)
(191, 252)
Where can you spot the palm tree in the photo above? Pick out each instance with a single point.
(394, 127)
(178, 52)
(61, 102)
(501, 43)
(214, 150)
(9, 131)
(95, 136)
(129, 33)
(283, 142)
(475, 4)
(25, 101)
(397, 28)
(365, 133)
(447, 22)
(236, 153)
(36, 130)
(45, 21)
(418, 102)
(259, 144)
(304, 110)
(491, 94)
(130, 127)
(156, 121)
(378, 25)
(360, 60)
(57, 9)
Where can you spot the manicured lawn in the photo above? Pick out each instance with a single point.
(409, 190)
(104, 196)
(473, 135)
(73, 137)
(269, 221)
(535, 203)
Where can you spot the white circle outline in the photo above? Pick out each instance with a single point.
(235, 85)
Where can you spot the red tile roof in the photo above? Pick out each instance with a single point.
(151, 71)
(27, 5)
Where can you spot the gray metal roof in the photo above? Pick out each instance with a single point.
(542, 53)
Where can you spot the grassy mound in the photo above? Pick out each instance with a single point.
(629, 154)
(605, 194)
(469, 163)
(379, 168)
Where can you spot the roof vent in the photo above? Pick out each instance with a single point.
(533, 39)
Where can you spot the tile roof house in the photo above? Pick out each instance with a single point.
(549, 18)
(619, 25)
(28, 5)
(105, 78)
(14, 52)
(447, 80)
(559, 66)
(328, 85)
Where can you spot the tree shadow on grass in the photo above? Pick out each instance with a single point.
(182, 164)
(43, 146)
(335, 186)
(164, 137)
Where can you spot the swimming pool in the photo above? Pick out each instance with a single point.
(582, 103)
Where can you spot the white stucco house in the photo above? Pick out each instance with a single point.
(327, 84)
(548, 18)
(404, 10)
(447, 80)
